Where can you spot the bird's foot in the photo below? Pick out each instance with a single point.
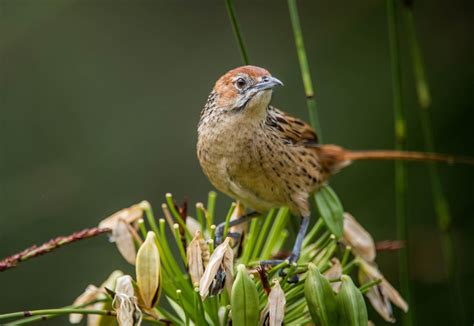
(291, 260)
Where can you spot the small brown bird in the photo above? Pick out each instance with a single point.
(265, 158)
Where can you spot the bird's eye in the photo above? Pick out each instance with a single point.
(240, 83)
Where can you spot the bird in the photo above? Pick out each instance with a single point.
(265, 158)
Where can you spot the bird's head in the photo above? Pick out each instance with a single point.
(245, 88)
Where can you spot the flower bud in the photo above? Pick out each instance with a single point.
(244, 299)
(148, 271)
(353, 311)
(320, 298)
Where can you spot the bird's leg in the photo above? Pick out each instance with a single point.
(220, 228)
(295, 253)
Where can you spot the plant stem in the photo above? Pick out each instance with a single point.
(35, 251)
(400, 168)
(236, 29)
(304, 66)
(227, 219)
(262, 234)
(177, 216)
(367, 286)
(211, 206)
(441, 206)
(58, 311)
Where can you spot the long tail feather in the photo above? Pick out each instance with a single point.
(406, 156)
(334, 157)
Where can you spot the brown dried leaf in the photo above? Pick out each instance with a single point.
(358, 238)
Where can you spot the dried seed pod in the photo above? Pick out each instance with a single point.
(198, 257)
(130, 215)
(276, 305)
(334, 272)
(193, 225)
(353, 311)
(358, 238)
(320, 298)
(148, 271)
(382, 294)
(219, 270)
(244, 299)
(123, 238)
(125, 303)
(90, 294)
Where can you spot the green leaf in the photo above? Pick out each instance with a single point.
(351, 304)
(320, 298)
(330, 209)
(244, 300)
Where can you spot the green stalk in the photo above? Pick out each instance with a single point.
(367, 286)
(304, 66)
(309, 237)
(211, 206)
(177, 216)
(262, 234)
(400, 168)
(227, 219)
(275, 232)
(441, 206)
(238, 35)
(58, 311)
(36, 318)
(182, 251)
(200, 216)
(251, 240)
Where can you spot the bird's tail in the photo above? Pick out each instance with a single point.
(335, 157)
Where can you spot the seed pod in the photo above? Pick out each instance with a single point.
(218, 270)
(276, 305)
(320, 298)
(351, 304)
(125, 303)
(358, 238)
(123, 238)
(244, 299)
(130, 215)
(382, 294)
(198, 257)
(334, 272)
(148, 271)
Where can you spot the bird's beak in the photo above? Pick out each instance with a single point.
(268, 83)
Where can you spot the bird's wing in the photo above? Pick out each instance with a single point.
(293, 130)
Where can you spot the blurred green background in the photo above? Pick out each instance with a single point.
(100, 101)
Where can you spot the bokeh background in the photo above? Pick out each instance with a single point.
(100, 101)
